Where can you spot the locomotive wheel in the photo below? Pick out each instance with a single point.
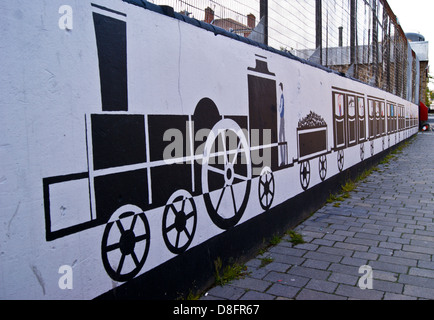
(341, 160)
(125, 243)
(266, 188)
(305, 174)
(322, 164)
(226, 174)
(179, 221)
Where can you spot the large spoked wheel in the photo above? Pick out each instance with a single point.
(125, 243)
(179, 221)
(266, 188)
(305, 174)
(341, 160)
(226, 174)
(322, 165)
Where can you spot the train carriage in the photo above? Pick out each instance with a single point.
(312, 142)
(350, 120)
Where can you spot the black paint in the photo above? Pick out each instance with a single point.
(118, 140)
(111, 40)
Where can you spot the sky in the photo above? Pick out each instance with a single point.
(417, 16)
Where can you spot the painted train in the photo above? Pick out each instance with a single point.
(129, 153)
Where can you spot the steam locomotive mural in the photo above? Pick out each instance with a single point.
(127, 156)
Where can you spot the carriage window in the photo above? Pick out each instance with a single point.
(377, 109)
(371, 108)
(382, 109)
(351, 106)
(339, 104)
(361, 103)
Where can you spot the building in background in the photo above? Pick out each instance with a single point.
(421, 48)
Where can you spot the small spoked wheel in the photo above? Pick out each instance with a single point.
(125, 243)
(341, 160)
(266, 188)
(322, 167)
(305, 174)
(226, 174)
(179, 221)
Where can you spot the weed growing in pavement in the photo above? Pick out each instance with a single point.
(295, 238)
(275, 240)
(228, 273)
(265, 261)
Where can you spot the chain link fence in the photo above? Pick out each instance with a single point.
(360, 38)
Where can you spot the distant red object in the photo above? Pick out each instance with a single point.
(423, 112)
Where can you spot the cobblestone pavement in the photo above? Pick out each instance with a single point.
(385, 224)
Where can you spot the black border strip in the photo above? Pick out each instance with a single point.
(108, 9)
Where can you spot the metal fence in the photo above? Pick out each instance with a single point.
(361, 38)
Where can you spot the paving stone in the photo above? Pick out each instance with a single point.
(316, 264)
(398, 260)
(227, 292)
(288, 279)
(386, 266)
(357, 293)
(283, 291)
(421, 272)
(385, 275)
(309, 272)
(307, 294)
(420, 292)
(426, 264)
(322, 285)
(336, 250)
(254, 295)
(351, 246)
(251, 283)
(412, 255)
(286, 259)
(416, 281)
(323, 256)
(343, 278)
(387, 286)
(394, 296)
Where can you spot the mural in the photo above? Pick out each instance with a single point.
(172, 157)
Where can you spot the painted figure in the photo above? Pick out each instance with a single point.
(283, 151)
